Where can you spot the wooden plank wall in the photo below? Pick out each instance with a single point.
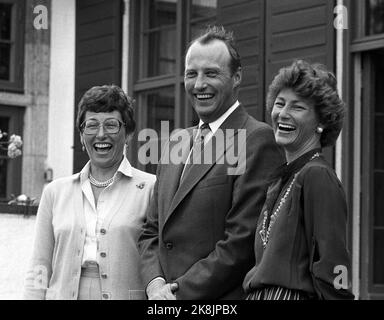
(246, 19)
(98, 53)
(299, 29)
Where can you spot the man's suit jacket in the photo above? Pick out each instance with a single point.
(200, 233)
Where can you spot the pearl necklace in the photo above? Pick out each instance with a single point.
(100, 184)
(264, 232)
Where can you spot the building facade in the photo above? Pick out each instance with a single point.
(140, 45)
(24, 86)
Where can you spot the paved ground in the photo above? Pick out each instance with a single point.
(16, 237)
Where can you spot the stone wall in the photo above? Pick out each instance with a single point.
(36, 84)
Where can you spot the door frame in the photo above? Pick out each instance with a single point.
(368, 289)
(14, 171)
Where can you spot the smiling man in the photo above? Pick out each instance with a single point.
(197, 242)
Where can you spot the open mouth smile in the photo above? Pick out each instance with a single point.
(204, 96)
(286, 127)
(102, 147)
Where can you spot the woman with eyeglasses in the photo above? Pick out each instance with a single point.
(87, 224)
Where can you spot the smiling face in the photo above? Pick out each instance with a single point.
(209, 83)
(104, 150)
(294, 122)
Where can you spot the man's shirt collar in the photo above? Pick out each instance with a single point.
(214, 125)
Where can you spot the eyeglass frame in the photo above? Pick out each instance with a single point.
(82, 126)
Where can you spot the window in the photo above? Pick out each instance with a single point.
(368, 22)
(4, 125)
(11, 45)
(374, 17)
(11, 121)
(162, 30)
(372, 189)
(368, 42)
(378, 171)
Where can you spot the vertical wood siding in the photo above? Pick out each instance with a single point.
(246, 19)
(299, 29)
(98, 53)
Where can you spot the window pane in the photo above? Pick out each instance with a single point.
(378, 265)
(203, 9)
(3, 177)
(4, 127)
(160, 107)
(5, 61)
(162, 13)
(378, 172)
(161, 52)
(379, 200)
(374, 17)
(5, 21)
(379, 81)
(379, 142)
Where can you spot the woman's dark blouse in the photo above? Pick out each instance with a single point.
(311, 225)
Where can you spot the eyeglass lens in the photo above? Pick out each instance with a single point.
(109, 126)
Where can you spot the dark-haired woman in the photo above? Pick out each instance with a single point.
(87, 224)
(300, 242)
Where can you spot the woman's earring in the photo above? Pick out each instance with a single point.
(319, 130)
(83, 148)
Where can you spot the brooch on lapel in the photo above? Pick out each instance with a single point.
(141, 185)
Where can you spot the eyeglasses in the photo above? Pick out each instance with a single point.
(110, 126)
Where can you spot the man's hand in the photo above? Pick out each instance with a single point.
(158, 289)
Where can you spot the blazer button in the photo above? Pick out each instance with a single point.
(169, 245)
(103, 254)
(103, 231)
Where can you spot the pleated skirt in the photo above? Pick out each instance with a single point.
(277, 293)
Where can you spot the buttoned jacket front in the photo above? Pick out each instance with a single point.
(200, 233)
(55, 267)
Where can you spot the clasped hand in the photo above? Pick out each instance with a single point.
(160, 290)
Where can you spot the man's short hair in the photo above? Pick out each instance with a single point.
(219, 33)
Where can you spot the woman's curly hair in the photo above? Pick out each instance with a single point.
(315, 83)
(107, 98)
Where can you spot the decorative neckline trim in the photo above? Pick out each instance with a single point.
(265, 232)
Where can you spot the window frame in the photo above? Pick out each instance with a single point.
(138, 87)
(360, 41)
(14, 169)
(369, 289)
(17, 38)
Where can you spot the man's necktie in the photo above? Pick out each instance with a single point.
(196, 154)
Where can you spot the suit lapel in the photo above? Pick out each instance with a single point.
(172, 172)
(235, 121)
